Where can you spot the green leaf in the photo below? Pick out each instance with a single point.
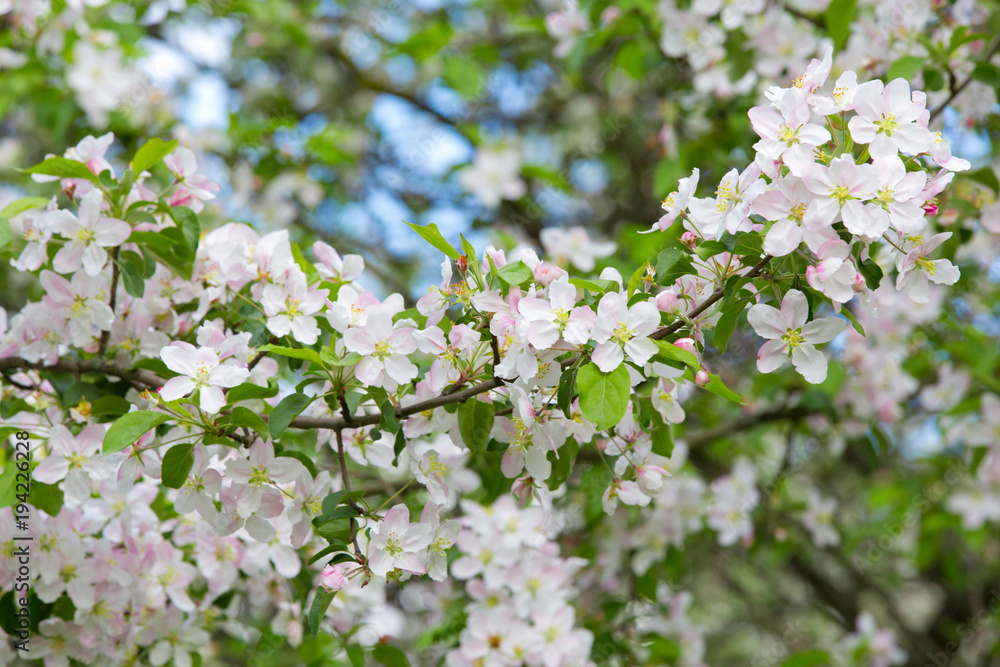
(248, 390)
(390, 656)
(671, 264)
(294, 353)
(838, 18)
(130, 428)
(987, 73)
(326, 551)
(905, 68)
(245, 417)
(516, 273)
(872, 273)
(811, 658)
(749, 243)
(673, 353)
(64, 168)
(331, 359)
(287, 410)
(562, 463)
(151, 153)
(22, 205)
(597, 285)
(663, 440)
(431, 234)
(356, 655)
(853, 320)
(710, 248)
(189, 226)
(727, 322)
(475, 421)
(567, 390)
(46, 497)
(603, 396)
(321, 602)
(719, 388)
(6, 233)
(109, 405)
(177, 464)
(134, 283)
(388, 422)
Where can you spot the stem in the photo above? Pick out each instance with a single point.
(957, 90)
(347, 486)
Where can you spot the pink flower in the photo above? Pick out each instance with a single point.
(915, 270)
(71, 458)
(789, 335)
(676, 202)
(559, 317)
(887, 119)
(334, 267)
(397, 544)
(195, 188)
(729, 210)
(384, 350)
(290, 308)
(81, 302)
(89, 233)
(840, 189)
(787, 130)
(332, 578)
(898, 198)
(835, 275)
(200, 371)
(620, 331)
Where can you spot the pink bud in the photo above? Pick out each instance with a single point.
(609, 15)
(859, 284)
(686, 344)
(689, 239)
(332, 578)
(462, 263)
(523, 489)
(931, 207)
(701, 378)
(667, 302)
(545, 274)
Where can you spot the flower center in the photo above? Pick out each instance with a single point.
(793, 339)
(383, 349)
(258, 477)
(393, 545)
(622, 334)
(797, 212)
(84, 235)
(887, 124)
(926, 265)
(841, 194)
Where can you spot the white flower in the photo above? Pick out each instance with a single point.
(789, 335)
(620, 330)
(200, 371)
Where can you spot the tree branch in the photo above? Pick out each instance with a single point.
(707, 303)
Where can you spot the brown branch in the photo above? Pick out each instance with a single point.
(345, 478)
(707, 303)
(139, 378)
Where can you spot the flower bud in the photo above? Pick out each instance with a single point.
(332, 578)
(931, 207)
(667, 302)
(686, 344)
(859, 285)
(545, 274)
(701, 378)
(462, 263)
(523, 489)
(689, 239)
